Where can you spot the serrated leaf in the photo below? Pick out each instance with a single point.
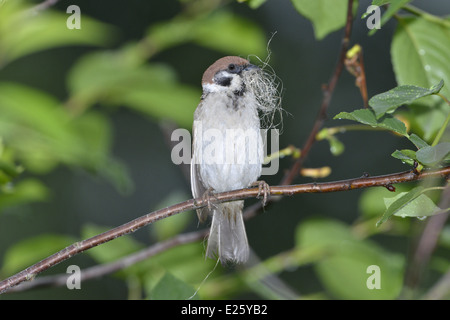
(393, 124)
(367, 116)
(326, 15)
(389, 101)
(364, 116)
(432, 155)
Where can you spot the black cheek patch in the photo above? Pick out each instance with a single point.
(223, 81)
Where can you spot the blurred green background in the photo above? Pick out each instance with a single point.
(113, 164)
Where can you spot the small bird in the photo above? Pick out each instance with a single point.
(228, 150)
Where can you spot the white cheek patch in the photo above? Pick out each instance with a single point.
(212, 87)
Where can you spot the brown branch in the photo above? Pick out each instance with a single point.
(104, 269)
(78, 247)
(355, 66)
(327, 94)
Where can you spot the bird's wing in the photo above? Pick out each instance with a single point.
(197, 187)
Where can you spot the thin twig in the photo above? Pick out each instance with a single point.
(104, 269)
(327, 94)
(427, 243)
(78, 247)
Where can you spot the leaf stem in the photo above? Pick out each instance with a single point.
(425, 15)
(441, 131)
(443, 98)
(351, 127)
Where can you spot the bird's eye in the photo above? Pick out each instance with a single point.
(231, 67)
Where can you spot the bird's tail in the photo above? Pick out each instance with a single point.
(227, 237)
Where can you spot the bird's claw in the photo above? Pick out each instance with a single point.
(264, 189)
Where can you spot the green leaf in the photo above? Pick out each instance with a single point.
(231, 34)
(321, 233)
(395, 6)
(326, 15)
(8, 171)
(222, 31)
(405, 155)
(364, 116)
(344, 269)
(418, 142)
(22, 32)
(369, 202)
(400, 203)
(388, 102)
(419, 53)
(172, 288)
(32, 250)
(36, 127)
(380, 2)
(254, 4)
(336, 146)
(367, 116)
(346, 273)
(420, 57)
(421, 206)
(25, 191)
(42, 134)
(95, 133)
(106, 75)
(432, 155)
(168, 101)
(151, 89)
